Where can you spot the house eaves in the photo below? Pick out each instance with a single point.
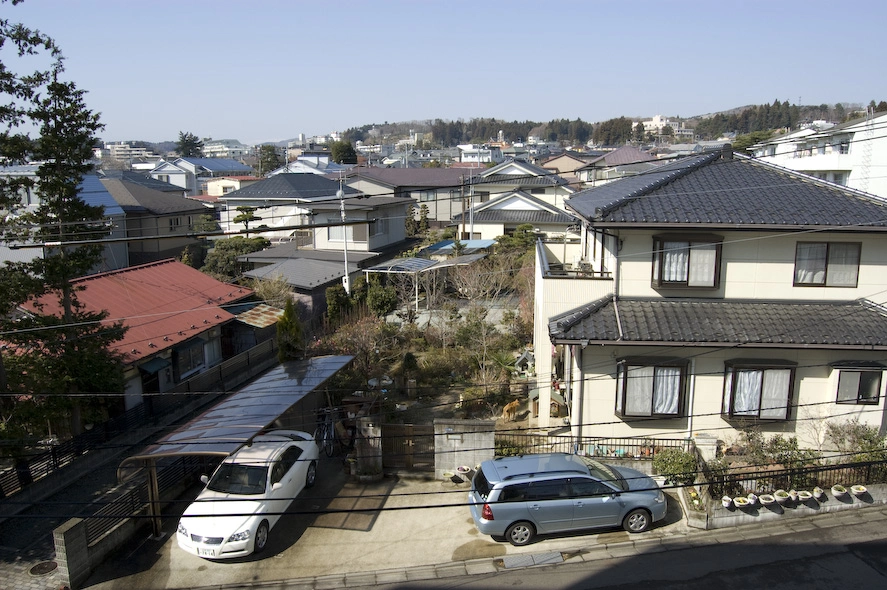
(851, 325)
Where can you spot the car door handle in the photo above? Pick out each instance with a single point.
(534, 506)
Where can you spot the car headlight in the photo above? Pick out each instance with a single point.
(660, 497)
(241, 536)
(182, 530)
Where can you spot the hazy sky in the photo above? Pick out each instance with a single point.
(263, 70)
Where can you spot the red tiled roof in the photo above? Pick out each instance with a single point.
(162, 303)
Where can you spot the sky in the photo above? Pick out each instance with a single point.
(266, 70)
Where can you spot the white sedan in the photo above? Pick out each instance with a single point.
(248, 494)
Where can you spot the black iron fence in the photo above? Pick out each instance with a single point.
(763, 480)
(522, 443)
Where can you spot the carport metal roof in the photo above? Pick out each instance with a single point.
(222, 429)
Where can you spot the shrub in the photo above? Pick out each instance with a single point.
(677, 465)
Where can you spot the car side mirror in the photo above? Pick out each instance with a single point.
(276, 486)
(204, 478)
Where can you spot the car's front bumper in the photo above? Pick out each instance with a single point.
(195, 545)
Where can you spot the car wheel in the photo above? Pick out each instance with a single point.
(311, 474)
(520, 533)
(261, 537)
(636, 521)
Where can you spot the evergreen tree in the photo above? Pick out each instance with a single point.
(68, 351)
(290, 343)
(269, 159)
(189, 145)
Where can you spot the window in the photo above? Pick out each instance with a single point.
(844, 147)
(692, 262)
(589, 487)
(335, 233)
(379, 226)
(647, 387)
(425, 196)
(174, 223)
(827, 264)
(839, 178)
(758, 390)
(189, 358)
(859, 384)
(163, 177)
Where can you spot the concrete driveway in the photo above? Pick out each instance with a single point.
(422, 523)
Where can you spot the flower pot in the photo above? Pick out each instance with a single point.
(766, 499)
(818, 492)
(727, 501)
(838, 490)
(781, 496)
(752, 499)
(858, 490)
(793, 495)
(740, 502)
(804, 495)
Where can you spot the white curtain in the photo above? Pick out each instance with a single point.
(810, 264)
(843, 264)
(666, 390)
(774, 401)
(848, 386)
(702, 265)
(674, 261)
(747, 394)
(639, 389)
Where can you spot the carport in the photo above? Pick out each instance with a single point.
(235, 421)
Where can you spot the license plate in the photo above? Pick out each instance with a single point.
(206, 552)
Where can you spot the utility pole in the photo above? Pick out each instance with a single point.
(341, 194)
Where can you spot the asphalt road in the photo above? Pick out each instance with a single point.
(840, 557)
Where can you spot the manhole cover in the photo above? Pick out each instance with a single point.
(43, 568)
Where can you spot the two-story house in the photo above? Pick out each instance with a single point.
(722, 292)
(155, 214)
(853, 153)
(441, 190)
(192, 174)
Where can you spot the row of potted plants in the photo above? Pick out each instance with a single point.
(783, 497)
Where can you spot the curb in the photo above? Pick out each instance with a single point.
(592, 553)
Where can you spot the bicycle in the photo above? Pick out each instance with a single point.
(324, 434)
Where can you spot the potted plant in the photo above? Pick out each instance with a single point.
(804, 495)
(838, 490)
(818, 492)
(727, 501)
(858, 490)
(793, 495)
(766, 499)
(740, 501)
(752, 499)
(781, 496)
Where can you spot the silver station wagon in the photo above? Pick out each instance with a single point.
(520, 497)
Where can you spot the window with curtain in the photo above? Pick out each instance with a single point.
(686, 263)
(647, 387)
(827, 264)
(859, 386)
(758, 391)
(336, 233)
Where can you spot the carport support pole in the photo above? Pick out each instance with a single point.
(153, 498)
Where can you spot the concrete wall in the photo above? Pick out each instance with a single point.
(462, 442)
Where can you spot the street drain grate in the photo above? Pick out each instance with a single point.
(510, 561)
(43, 568)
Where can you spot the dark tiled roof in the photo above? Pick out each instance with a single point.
(412, 177)
(291, 186)
(855, 324)
(519, 216)
(547, 178)
(141, 179)
(135, 197)
(708, 191)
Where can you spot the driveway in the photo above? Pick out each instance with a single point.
(336, 527)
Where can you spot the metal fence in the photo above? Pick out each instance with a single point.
(762, 480)
(521, 443)
(39, 462)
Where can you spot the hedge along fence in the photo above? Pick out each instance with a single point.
(766, 479)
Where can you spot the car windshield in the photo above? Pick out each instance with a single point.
(606, 473)
(233, 478)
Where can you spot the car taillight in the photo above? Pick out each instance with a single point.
(487, 512)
